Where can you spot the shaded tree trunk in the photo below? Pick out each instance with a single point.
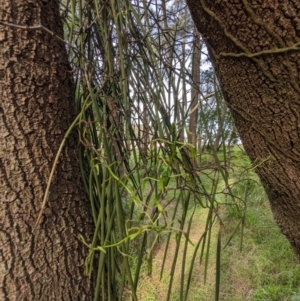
(196, 59)
(252, 45)
(221, 128)
(184, 82)
(37, 107)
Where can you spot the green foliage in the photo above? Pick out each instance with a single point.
(264, 267)
(134, 168)
(145, 184)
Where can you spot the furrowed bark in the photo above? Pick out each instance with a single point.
(36, 109)
(255, 48)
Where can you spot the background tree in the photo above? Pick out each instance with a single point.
(255, 50)
(215, 125)
(195, 93)
(43, 261)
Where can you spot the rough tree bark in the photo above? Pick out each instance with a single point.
(255, 49)
(36, 108)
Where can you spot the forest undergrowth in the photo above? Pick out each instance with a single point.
(257, 262)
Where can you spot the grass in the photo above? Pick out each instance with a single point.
(152, 287)
(266, 267)
(257, 264)
(263, 267)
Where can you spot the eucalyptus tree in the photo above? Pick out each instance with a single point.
(255, 47)
(195, 91)
(42, 258)
(215, 125)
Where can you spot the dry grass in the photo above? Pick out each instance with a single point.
(152, 287)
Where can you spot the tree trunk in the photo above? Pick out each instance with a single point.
(36, 108)
(254, 46)
(195, 95)
(221, 128)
